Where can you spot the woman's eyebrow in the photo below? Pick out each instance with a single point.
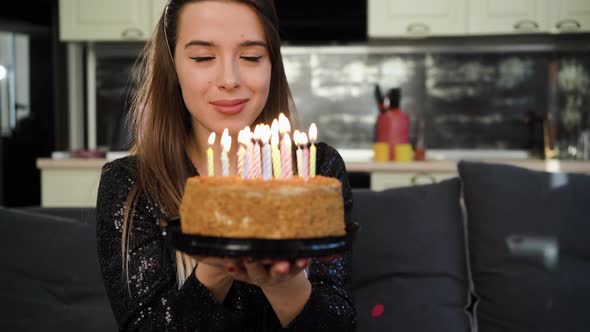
(212, 44)
(198, 43)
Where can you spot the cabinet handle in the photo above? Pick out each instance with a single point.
(568, 25)
(132, 33)
(526, 26)
(418, 28)
(416, 178)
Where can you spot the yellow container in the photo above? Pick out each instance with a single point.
(404, 152)
(380, 152)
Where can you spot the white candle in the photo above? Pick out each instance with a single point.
(276, 154)
(241, 153)
(226, 145)
(210, 164)
(303, 140)
(313, 135)
(247, 141)
(266, 158)
(285, 145)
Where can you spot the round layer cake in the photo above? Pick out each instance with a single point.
(253, 208)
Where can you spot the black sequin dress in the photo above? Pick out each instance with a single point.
(149, 298)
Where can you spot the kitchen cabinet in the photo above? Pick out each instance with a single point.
(508, 16)
(105, 20)
(570, 16)
(401, 18)
(157, 10)
(397, 18)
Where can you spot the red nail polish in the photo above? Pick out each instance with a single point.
(305, 264)
(231, 269)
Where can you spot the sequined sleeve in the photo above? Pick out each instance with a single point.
(148, 298)
(330, 306)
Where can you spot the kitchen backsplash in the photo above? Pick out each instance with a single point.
(455, 100)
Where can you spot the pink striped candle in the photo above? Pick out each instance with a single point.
(255, 168)
(286, 158)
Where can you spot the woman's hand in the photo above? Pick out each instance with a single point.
(284, 284)
(213, 273)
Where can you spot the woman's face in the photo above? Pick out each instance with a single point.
(223, 65)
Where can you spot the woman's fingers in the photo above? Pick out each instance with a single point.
(280, 268)
(302, 263)
(256, 271)
(214, 261)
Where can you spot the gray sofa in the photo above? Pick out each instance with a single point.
(498, 249)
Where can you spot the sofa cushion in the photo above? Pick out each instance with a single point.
(529, 247)
(50, 277)
(409, 263)
(85, 215)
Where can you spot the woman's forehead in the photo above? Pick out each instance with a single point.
(218, 21)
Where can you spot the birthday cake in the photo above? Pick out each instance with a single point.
(265, 200)
(253, 208)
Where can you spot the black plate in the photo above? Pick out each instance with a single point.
(256, 248)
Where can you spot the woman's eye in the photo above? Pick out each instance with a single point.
(252, 58)
(202, 58)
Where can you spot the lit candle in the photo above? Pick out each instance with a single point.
(241, 152)
(249, 150)
(285, 145)
(226, 145)
(266, 158)
(284, 124)
(286, 162)
(276, 154)
(313, 135)
(298, 153)
(210, 165)
(254, 167)
(303, 140)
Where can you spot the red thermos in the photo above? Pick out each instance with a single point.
(393, 125)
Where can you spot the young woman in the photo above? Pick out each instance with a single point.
(210, 65)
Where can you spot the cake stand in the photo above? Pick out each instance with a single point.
(288, 249)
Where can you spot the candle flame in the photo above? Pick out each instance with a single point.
(265, 134)
(297, 137)
(303, 139)
(257, 132)
(313, 133)
(243, 137)
(284, 124)
(287, 139)
(274, 129)
(226, 140)
(211, 139)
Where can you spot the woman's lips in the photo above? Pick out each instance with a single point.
(229, 106)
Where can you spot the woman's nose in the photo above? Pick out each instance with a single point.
(229, 76)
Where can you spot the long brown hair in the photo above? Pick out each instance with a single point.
(161, 123)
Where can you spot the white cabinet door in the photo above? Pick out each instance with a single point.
(508, 16)
(402, 18)
(92, 20)
(570, 16)
(157, 10)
